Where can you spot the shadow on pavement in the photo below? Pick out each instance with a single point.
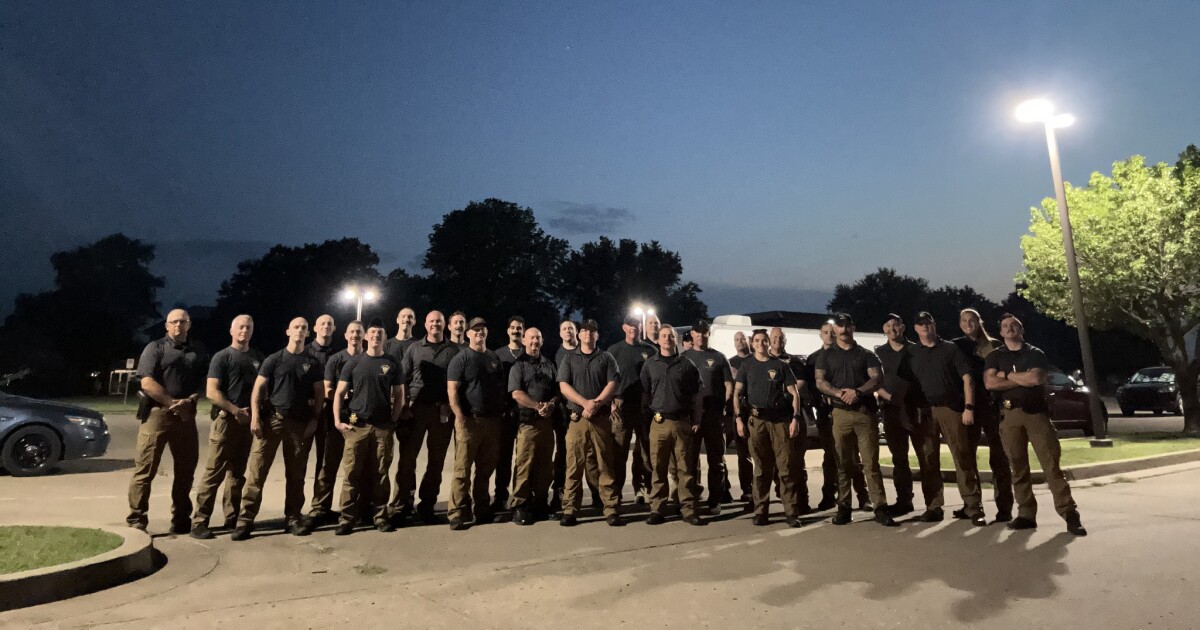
(81, 466)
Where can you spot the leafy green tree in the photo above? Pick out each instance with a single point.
(1137, 238)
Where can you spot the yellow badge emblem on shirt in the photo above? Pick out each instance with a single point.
(711, 362)
(645, 355)
(771, 373)
(495, 365)
(256, 364)
(304, 368)
(385, 368)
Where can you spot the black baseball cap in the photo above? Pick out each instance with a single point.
(589, 324)
(843, 319)
(477, 321)
(701, 326)
(889, 317)
(923, 318)
(633, 320)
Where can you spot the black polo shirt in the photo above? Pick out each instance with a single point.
(672, 382)
(810, 379)
(561, 353)
(765, 383)
(180, 367)
(972, 351)
(482, 382)
(714, 373)
(588, 374)
(424, 368)
(535, 376)
(322, 353)
(1031, 399)
(735, 362)
(290, 378)
(235, 371)
(630, 359)
(939, 370)
(396, 348)
(847, 369)
(898, 377)
(509, 358)
(371, 380)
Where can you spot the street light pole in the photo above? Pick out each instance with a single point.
(359, 295)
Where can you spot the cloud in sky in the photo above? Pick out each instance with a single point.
(587, 218)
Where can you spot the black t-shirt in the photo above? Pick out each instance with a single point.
(630, 358)
(321, 353)
(588, 374)
(509, 358)
(333, 373)
(672, 382)
(424, 368)
(714, 373)
(396, 348)
(765, 383)
(898, 377)
(810, 379)
(290, 378)
(235, 371)
(371, 380)
(969, 348)
(178, 366)
(1031, 399)
(735, 362)
(482, 382)
(939, 371)
(847, 369)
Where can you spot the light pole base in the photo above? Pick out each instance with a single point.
(1098, 443)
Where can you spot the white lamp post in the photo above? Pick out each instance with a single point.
(359, 295)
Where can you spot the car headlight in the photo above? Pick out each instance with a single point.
(1082, 389)
(90, 423)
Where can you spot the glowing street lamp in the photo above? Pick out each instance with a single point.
(1042, 111)
(359, 295)
(643, 313)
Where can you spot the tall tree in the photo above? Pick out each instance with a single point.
(104, 295)
(287, 282)
(491, 259)
(1137, 238)
(872, 297)
(603, 279)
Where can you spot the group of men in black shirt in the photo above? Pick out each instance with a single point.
(543, 427)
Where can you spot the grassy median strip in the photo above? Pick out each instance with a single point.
(1077, 451)
(32, 547)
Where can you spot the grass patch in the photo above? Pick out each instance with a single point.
(32, 547)
(113, 405)
(1077, 452)
(370, 569)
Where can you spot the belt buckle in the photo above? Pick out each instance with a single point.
(658, 417)
(1008, 404)
(353, 419)
(575, 416)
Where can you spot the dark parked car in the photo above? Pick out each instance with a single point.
(1069, 408)
(1151, 389)
(36, 434)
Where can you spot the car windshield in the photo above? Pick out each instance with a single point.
(1154, 375)
(1058, 379)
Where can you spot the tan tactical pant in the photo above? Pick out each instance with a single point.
(1019, 429)
(673, 441)
(711, 437)
(771, 446)
(367, 455)
(426, 426)
(228, 449)
(923, 436)
(295, 435)
(329, 459)
(630, 433)
(476, 445)
(176, 429)
(533, 468)
(856, 434)
(597, 433)
(962, 449)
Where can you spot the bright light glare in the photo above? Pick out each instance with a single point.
(1062, 120)
(370, 295)
(349, 294)
(650, 312)
(1035, 110)
(637, 310)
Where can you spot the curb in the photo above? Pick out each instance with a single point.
(1085, 471)
(133, 559)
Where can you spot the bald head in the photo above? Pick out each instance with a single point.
(240, 330)
(435, 326)
(324, 329)
(178, 324)
(297, 332)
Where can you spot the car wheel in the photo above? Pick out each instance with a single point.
(1126, 411)
(31, 451)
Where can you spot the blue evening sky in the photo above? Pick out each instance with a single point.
(780, 147)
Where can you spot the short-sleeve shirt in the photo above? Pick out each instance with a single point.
(810, 379)
(735, 362)
(765, 383)
(424, 369)
(396, 348)
(1033, 398)
(588, 374)
(561, 353)
(898, 377)
(939, 370)
(975, 357)
(371, 380)
(179, 366)
(290, 379)
(672, 382)
(333, 367)
(630, 358)
(321, 353)
(714, 373)
(847, 369)
(482, 382)
(235, 371)
(536, 376)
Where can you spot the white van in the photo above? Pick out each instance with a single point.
(800, 341)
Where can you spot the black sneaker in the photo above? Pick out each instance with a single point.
(568, 520)
(935, 515)
(883, 518)
(457, 525)
(241, 532)
(794, 521)
(385, 526)
(655, 519)
(761, 520)
(961, 513)
(900, 509)
(1022, 523)
(300, 527)
(1003, 517)
(694, 520)
(827, 503)
(181, 529)
(745, 498)
(979, 520)
(842, 517)
(615, 520)
(344, 529)
(202, 532)
(1074, 525)
(522, 516)
(865, 505)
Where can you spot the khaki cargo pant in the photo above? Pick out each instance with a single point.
(673, 442)
(294, 434)
(962, 449)
(367, 453)
(1019, 429)
(924, 440)
(533, 468)
(476, 445)
(771, 445)
(425, 427)
(631, 433)
(711, 437)
(597, 434)
(830, 465)
(162, 429)
(856, 434)
(228, 449)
